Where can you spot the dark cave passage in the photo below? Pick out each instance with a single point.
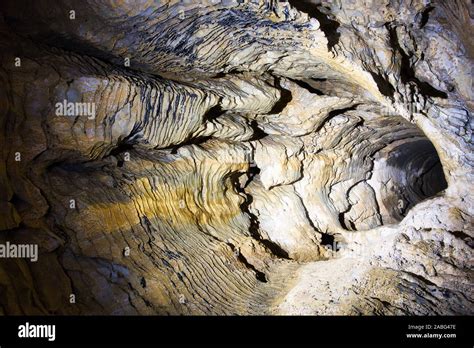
(411, 172)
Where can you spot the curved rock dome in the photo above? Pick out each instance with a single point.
(237, 157)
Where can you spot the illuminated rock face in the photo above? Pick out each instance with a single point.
(237, 157)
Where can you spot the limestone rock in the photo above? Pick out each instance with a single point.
(237, 157)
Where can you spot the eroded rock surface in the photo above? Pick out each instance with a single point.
(238, 157)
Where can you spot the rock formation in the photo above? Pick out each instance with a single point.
(237, 157)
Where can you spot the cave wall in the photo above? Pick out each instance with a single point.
(244, 157)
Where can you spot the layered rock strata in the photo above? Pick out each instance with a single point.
(237, 157)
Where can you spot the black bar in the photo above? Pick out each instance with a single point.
(290, 331)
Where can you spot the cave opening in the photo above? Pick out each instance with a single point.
(397, 168)
(407, 173)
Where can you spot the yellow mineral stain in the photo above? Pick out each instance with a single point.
(180, 205)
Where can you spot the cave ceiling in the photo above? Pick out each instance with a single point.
(237, 157)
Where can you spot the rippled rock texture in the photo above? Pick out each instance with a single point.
(237, 157)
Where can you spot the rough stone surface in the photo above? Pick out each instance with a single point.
(255, 157)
